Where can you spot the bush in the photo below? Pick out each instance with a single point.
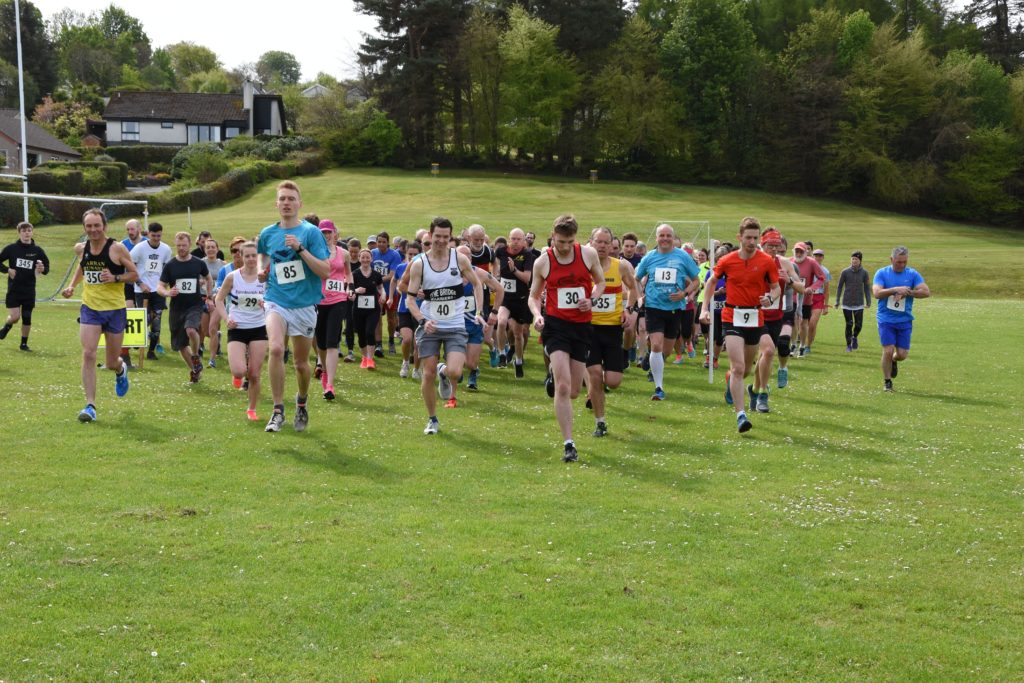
(142, 157)
(180, 160)
(205, 166)
(12, 212)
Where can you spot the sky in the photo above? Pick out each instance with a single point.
(324, 35)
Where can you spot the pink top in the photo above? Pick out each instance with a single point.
(335, 287)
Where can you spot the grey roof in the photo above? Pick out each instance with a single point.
(38, 138)
(189, 107)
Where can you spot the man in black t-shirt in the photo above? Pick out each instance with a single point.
(515, 268)
(180, 280)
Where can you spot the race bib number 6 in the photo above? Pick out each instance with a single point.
(289, 272)
(570, 297)
(744, 317)
(898, 306)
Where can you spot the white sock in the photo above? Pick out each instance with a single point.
(657, 368)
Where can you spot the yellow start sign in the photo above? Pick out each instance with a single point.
(135, 333)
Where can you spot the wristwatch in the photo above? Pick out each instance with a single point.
(300, 249)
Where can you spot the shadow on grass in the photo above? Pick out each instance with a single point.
(330, 456)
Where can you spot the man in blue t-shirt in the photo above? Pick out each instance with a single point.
(896, 286)
(293, 262)
(386, 261)
(671, 279)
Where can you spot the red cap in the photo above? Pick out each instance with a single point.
(800, 245)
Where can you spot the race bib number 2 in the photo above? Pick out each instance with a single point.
(365, 301)
(289, 272)
(570, 297)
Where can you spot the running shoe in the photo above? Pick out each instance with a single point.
(570, 454)
(251, 416)
(349, 358)
(88, 414)
(502, 361)
(805, 351)
(444, 385)
(519, 371)
(589, 404)
(151, 355)
(236, 382)
(742, 423)
(549, 385)
(601, 430)
(678, 359)
(371, 364)
(160, 349)
(888, 386)
(121, 383)
(275, 423)
(245, 384)
(762, 403)
(417, 374)
(391, 349)
(854, 344)
(849, 347)
(433, 426)
(4, 331)
(329, 392)
(494, 358)
(706, 364)
(451, 403)
(658, 395)
(510, 354)
(318, 371)
(645, 364)
(212, 363)
(689, 350)
(473, 375)
(301, 420)
(783, 377)
(895, 369)
(650, 376)
(378, 351)
(197, 366)
(362, 363)
(24, 347)
(752, 396)
(404, 372)
(728, 390)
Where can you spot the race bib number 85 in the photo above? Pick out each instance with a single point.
(289, 272)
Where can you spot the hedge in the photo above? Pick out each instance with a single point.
(140, 157)
(113, 183)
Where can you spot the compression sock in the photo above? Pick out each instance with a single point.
(657, 367)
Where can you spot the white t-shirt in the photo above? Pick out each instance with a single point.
(150, 263)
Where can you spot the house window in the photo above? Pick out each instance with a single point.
(231, 132)
(203, 134)
(130, 131)
(167, 124)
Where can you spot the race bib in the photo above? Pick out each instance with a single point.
(250, 302)
(665, 276)
(719, 305)
(289, 272)
(444, 310)
(153, 265)
(570, 297)
(24, 263)
(744, 317)
(365, 301)
(775, 305)
(334, 285)
(898, 306)
(470, 305)
(508, 285)
(92, 277)
(382, 268)
(186, 285)
(606, 303)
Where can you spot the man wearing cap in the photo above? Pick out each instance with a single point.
(854, 295)
(811, 275)
(819, 298)
(385, 261)
(896, 286)
(778, 319)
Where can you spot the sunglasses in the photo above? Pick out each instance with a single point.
(235, 251)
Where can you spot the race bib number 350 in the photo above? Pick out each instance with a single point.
(570, 297)
(289, 272)
(92, 277)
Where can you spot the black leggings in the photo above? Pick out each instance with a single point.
(854, 322)
(365, 320)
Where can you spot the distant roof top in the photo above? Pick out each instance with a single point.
(189, 107)
(37, 137)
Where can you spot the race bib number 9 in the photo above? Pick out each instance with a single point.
(744, 317)
(24, 263)
(606, 303)
(92, 277)
(289, 272)
(250, 302)
(365, 301)
(898, 306)
(186, 286)
(508, 284)
(665, 276)
(570, 297)
(335, 285)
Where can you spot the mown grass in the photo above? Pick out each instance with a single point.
(852, 535)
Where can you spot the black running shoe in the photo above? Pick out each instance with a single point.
(570, 454)
(549, 386)
(601, 430)
(519, 371)
(888, 385)
(895, 369)
(378, 351)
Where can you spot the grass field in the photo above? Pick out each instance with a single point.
(852, 535)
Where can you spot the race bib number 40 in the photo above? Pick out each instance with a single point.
(444, 310)
(898, 306)
(665, 276)
(744, 317)
(570, 297)
(289, 272)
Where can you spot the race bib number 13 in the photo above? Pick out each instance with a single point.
(665, 276)
(289, 272)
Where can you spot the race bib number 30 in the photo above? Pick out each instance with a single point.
(665, 276)
(186, 285)
(289, 272)
(570, 297)
(334, 285)
(92, 277)
(744, 317)
(898, 306)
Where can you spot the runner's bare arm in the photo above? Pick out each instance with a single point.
(540, 274)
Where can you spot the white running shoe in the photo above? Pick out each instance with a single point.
(404, 372)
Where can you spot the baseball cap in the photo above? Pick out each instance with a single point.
(327, 226)
(819, 252)
(800, 246)
(371, 238)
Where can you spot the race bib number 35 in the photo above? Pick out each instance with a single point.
(605, 303)
(570, 297)
(744, 317)
(289, 272)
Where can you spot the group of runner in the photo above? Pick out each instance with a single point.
(595, 303)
